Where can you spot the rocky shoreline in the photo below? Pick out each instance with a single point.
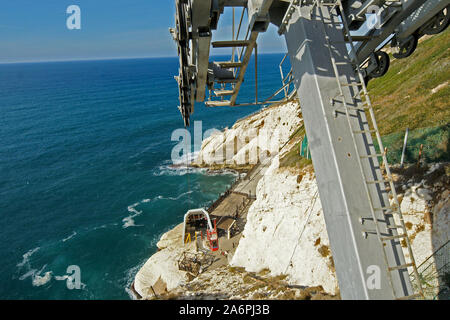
(282, 250)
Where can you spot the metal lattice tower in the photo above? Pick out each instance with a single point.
(330, 67)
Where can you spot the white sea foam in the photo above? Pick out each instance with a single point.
(222, 172)
(37, 279)
(67, 277)
(129, 221)
(41, 280)
(132, 209)
(179, 170)
(178, 167)
(26, 257)
(104, 226)
(70, 236)
(174, 198)
(186, 158)
(129, 278)
(30, 273)
(131, 294)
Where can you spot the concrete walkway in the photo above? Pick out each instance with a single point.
(248, 184)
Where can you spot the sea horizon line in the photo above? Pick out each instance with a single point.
(109, 59)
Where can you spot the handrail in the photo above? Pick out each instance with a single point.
(433, 254)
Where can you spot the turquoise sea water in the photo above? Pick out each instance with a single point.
(85, 170)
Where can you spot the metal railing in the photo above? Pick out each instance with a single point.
(434, 273)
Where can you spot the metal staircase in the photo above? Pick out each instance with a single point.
(234, 69)
(244, 49)
(362, 102)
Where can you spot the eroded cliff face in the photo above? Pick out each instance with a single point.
(285, 230)
(162, 265)
(250, 138)
(425, 203)
(285, 237)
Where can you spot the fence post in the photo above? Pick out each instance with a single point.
(301, 147)
(420, 154)
(385, 153)
(404, 147)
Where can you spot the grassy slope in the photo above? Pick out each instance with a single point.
(403, 97)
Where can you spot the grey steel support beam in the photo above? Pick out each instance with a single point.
(203, 44)
(201, 39)
(258, 11)
(355, 10)
(366, 48)
(419, 17)
(361, 267)
(233, 3)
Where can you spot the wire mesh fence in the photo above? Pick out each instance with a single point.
(434, 141)
(434, 274)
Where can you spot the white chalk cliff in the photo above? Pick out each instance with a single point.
(285, 230)
(246, 139)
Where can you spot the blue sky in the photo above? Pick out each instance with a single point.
(33, 30)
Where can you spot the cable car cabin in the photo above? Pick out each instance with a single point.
(213, 239)
(197, 221)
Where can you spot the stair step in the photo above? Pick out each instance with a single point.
(357, 109)
(351, 84)
(225, 80)
(358, 94)
(376, 155)
(383, 208)
(221, 93)
(388, 238)
(364, 131)
(359, 38)
(223, 103)
(403, 266)
(229, 64)
(395, 227)
(230, 43)
(344, 63)
(412, 296)
(376, 181)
